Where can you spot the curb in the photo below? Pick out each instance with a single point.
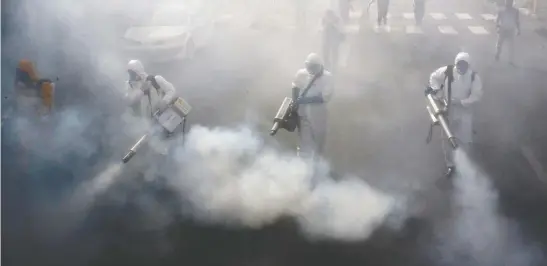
(533, 161)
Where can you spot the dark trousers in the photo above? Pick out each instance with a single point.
(419, 11)
(344, 8)
(382, 15)
(506, 38)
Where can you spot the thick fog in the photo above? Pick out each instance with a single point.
(79, 42)
(229, 173)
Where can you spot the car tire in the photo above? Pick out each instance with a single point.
(189, 49)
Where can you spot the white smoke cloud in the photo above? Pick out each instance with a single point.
(232, 178)
(477, 232)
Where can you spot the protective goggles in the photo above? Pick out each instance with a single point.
(133, 76)
(313, 68)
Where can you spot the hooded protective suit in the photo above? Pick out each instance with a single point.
(465, 94)
(312, 109)
(143, 95)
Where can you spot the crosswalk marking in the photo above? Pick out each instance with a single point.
(447, 30)
(524, 11)
(443, 23)
(352, 28)
(479, 30)
(355, 14)
(411, 29)
(438, 16)
(408, 15)
(488, 17)
(463, 16)
(385, 29)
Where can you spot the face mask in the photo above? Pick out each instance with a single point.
(314, 69)
(133, 76)
(462, 67)
(136, 84)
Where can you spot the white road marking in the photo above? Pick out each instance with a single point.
(438, 16)
(524, 11)
(479, 30)
(408, 15)
(355, 14)
(534, 162)
(412, 29)
(488, 16)
(386, 29)
(463, 16)
(447, 30)
(352, 28)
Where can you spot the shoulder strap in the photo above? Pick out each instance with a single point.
(312, 81)
(449, 74)
(154, 83)
(152, 79)
(473, 74)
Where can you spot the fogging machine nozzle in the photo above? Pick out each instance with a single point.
(285, 117)
(134, 149)
(437, 111)
(128, 156)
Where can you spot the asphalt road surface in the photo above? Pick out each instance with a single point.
(377, 131)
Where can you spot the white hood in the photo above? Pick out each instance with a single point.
(463, 56)
(137, 67)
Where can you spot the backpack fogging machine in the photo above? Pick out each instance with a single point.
(168, 121)
(438, 110)
(286, 116)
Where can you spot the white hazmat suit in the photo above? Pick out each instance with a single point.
(312, 109)
(143, 95)
(466, 92)
(147, 94)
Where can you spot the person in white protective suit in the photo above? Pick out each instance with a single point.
(316, 90)
(145, 93)
(466, 92)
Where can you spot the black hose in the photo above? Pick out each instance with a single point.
(183, 130)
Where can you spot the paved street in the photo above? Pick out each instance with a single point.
(377, 131)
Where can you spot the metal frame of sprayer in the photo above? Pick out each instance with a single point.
(169, 119)
(438, 110)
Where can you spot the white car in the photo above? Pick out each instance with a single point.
(168, 33)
